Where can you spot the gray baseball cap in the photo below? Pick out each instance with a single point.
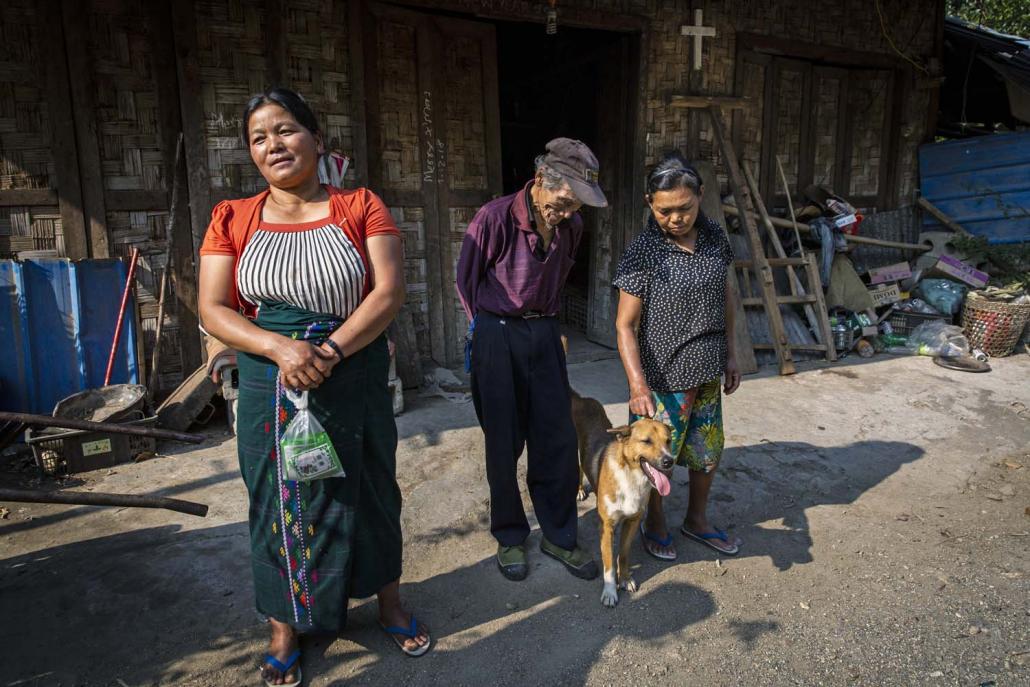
(578, 166)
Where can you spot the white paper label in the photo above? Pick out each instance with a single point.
(94, 448)
(313, 462)
(844, 220)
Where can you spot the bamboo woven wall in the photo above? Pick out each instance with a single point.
(411, 222)
(827, 113)
(305, 44)
(131, 157)
(842, 24)
(235, 54)
(26, 159)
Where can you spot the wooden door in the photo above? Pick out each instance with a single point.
(434, 153)
(615, 223)
(827, 124)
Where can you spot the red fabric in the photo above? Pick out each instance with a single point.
(360, 213)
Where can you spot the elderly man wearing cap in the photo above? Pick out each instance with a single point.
(514, 261)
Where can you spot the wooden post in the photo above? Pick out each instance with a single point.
(710, 206)
(188, 70)
(939, 215)
(275, 43)
(80, 73)
(184, 277)
(761, 266)
(355, 15)
(62, 129)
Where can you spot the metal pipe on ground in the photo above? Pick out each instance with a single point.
(92, 498)
(110, 427)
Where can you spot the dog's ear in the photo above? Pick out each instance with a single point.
(622, 432)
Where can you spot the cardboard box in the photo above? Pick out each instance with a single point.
(890, 273)
(885, 295)
(961, 271)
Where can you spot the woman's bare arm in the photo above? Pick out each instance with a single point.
(370, 319)
(303, 366)
(627, 324)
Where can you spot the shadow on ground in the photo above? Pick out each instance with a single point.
(161, 605)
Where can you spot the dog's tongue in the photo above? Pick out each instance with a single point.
(658, 479)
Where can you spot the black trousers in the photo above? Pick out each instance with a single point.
(520, 389)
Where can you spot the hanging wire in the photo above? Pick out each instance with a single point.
(883, 28)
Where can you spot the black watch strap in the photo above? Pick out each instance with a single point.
(335, 346)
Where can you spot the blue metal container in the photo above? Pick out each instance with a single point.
(57, 319)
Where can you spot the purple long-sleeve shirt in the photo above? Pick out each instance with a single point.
(499, 269)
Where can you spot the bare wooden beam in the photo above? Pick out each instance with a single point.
(782, 300)
(727, 102)
(184, 29)
(181, 257)
(805, 229)
(359, 98)
(23, 197)
(62, 133)
(275, 42)
(939, 215)
(83, 100)
(773, 262)
(129, 200)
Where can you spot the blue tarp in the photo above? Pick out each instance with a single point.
(57, 319)
(983, 183)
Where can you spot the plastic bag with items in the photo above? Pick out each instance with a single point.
(938, 339)
(307, 452)
(943, 294)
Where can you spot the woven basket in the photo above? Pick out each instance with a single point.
(993, 326)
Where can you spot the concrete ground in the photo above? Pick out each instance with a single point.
(884, 505)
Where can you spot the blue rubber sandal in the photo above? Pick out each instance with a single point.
(410, 632)
(667, 541)
(709, 539)
(285, 668)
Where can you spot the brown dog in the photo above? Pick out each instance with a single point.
(621, 470)
(634, 462)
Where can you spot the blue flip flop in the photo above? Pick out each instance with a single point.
(284, 668)
(410, 632)
(667, 541)
(708, 537)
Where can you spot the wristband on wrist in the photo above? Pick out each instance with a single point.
(335, 346)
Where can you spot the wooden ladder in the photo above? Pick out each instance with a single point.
(762, 266)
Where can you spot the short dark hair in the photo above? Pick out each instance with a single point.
(671, 173)
(291, 101)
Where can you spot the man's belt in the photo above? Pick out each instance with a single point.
(528, 315)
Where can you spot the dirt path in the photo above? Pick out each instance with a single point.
(883, 508)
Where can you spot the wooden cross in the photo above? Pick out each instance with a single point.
(698, 32)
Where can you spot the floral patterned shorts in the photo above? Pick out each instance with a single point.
(695, 416)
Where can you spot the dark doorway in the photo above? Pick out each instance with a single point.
(563, 85)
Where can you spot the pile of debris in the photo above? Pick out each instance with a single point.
(954, 303)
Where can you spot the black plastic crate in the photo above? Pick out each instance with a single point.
(59, 451)
(904, 322)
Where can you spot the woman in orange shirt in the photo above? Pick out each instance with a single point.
(303, 279)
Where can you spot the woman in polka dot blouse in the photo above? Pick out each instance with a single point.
(675, 324)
